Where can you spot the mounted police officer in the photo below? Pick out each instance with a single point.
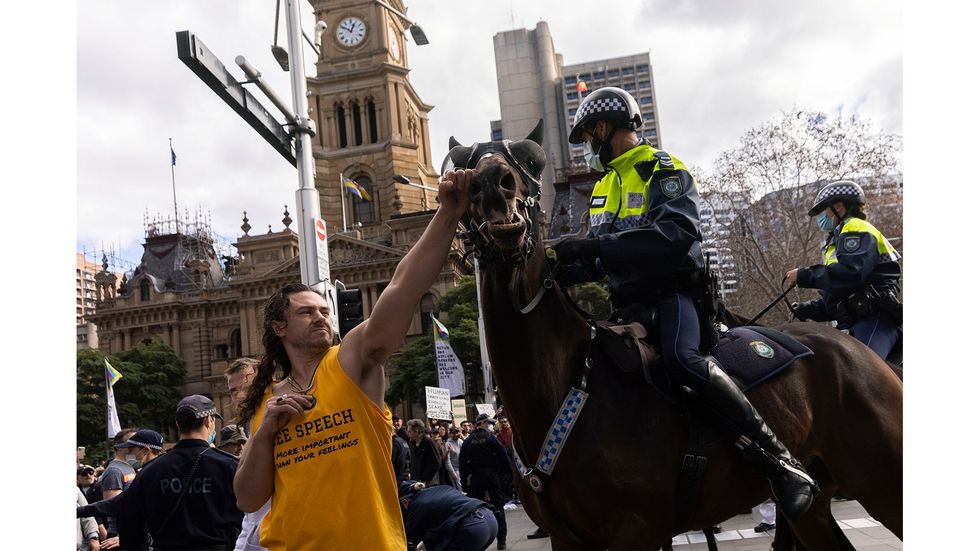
(184, 499)
(858, 280)
(482, 463)
(645, 235)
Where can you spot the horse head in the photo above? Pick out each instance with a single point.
(502, 221)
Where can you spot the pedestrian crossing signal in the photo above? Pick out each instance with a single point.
(350, 310)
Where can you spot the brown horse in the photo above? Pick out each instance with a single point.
(614, 485)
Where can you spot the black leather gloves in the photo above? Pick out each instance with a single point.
(571, 250)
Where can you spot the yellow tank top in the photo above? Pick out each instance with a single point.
(334, 482)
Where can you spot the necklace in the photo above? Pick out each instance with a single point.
(293, 383)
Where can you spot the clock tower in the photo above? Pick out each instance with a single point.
(371, 124)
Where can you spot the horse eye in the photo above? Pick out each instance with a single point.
(507, 182)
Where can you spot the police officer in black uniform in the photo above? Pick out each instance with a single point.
(645, 235)
(858, 280)
(482, 463)
(444, 518)
(185, 498)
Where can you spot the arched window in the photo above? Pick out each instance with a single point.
(356, 115)
(364, 210)
(342, 125)
(144, 290)
(372, 121)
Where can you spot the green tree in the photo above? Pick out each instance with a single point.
(592, 297)
(145, 397)
(460, 317)
(414, 367)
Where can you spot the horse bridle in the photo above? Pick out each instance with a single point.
(478, 235)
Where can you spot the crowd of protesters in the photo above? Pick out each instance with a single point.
(454, 483)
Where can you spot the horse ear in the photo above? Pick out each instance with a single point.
(452, 142)
(537, 135)
(530, 154)
(460, 154)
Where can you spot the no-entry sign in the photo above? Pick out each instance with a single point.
(322, 256)
(321, 229)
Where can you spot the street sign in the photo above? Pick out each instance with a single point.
(438, 404)
(322, 254)
(206, 66)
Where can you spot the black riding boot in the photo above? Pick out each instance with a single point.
(792, 487)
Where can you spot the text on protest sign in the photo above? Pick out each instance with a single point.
(438, 404)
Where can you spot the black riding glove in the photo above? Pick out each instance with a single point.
(809, 310)
(571, 250)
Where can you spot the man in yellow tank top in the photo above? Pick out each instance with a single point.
(321, 436)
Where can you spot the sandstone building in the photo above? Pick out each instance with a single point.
(372, 126)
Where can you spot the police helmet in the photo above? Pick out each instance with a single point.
(845, 191)
(609, 104)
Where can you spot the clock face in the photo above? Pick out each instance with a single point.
(394, 42)
(351, 31)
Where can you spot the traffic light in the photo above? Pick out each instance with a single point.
(349, 310)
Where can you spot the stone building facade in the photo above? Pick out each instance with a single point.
(372, 126)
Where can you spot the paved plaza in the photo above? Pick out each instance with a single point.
(863, 532)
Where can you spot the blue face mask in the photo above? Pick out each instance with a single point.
(825, 222)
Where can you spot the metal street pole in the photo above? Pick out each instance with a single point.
(488, 391)
(307, 198)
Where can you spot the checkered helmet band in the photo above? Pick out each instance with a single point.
(600, 106)
(842, 190)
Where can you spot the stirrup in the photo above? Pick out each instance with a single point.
(748, 447)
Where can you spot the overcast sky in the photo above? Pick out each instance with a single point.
(719, 67)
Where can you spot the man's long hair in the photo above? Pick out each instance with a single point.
(275, 357)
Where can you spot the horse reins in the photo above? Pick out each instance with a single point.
(773, 303)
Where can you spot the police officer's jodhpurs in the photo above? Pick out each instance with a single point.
(489, 483)
(879, 332)
(680, 338)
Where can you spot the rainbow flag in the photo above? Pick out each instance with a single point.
(112, 416)
(439, 330)
(111, 374)
(357, 190)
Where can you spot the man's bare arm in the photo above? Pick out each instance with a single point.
(368, 346)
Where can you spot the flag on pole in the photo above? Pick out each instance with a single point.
(357, 190)
(447, 364)
(112, 417)
(582, 87)
(173, 157)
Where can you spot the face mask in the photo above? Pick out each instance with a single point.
(211, 437)
(825, 222)
(133, 461)
(592, 158)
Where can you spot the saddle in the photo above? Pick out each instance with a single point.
(750, 355)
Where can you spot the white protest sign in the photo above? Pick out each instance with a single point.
(438, 404)
(459, 411)
(484, 408)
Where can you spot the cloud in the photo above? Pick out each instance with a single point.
(719, 67)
